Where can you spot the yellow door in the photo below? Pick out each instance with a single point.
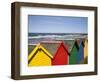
(86, 49)
(40, 59)
(86, 52)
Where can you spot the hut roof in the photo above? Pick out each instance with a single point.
(70, 44)
(80, 42)
(51, 47)
(36, 49)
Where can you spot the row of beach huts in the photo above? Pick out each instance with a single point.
(67, 52)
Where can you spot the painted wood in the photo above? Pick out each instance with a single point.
(81, 53)
(86, 51)
(61, 56)
(85, 48)
(39, 57)
(73, 54)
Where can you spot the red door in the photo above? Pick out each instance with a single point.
(61, 56)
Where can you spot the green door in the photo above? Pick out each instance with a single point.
(73, 55)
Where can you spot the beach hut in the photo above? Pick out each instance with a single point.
(39, 57)
(73, 50)
(58, 51)
(61, 55)
(85, 51)
(80, 52)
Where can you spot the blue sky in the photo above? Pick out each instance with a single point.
(57, 24)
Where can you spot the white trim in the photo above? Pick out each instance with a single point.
(25, 70)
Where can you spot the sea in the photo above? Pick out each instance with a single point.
(35, 38)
